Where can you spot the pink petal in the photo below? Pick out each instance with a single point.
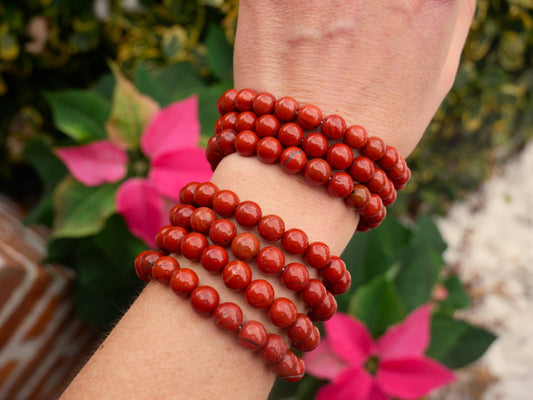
(142, 207)
(322, 362)
(171, 171)
(95, 163)
(172, 128)
(376, 393)
(351, 384)
(412, 378)
(409, 338)
(349, 339)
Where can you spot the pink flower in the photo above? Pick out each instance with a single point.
(360, 368)
(170, 142)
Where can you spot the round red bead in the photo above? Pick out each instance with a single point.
(237, 275)
(355, 137)
(295, 241)
(387, 201)
(390, 158)
(267, 125)
(295, 277)
(227, 121)
(225, 202)
(324, 310)
(264, 103)
(309, 116)
(400, 182)
(246, 143)
(252, 335)
(180, 215)
(287, 365)
(340, 156)
(164, 268)
(398, 170)
(244, 100)
(373, 207)
(317, 172)
(360, 197)
(226, 102)
(300, 329)
(270, 260)
(172, 239)
(225, 142)
(269, 150)
(228, 316)
(202, 218)
(193, 245)
(290, 134)
(293, 160)
(259, 293)
(309, 343)
(159, 236)
(315, 145)
(285, 108)
(245, 246)
(386, 190)
(362, 169)
(203, 196)
(314, 293)
(248, 213)
(334, 270)
(378, 180)
(214, 258)
(204, 299)
(143, 264)
(340, 185)
(333, 127)
(341, 286)
(374, 148)
(271, 227)
(318, 255)
(184, 281)
(245, 121)
(380, 216)
(298, 373)
(186, 195)
(222, 232)
(273, 350)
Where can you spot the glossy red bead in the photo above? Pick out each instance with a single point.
(228, 317)
(341, 286)
(259, 293)
(362, 169)
(172, 239)
(225, 202)
(246, 143)
(359, 197)
(295, 241)
(374, 148)
(184, 281)
(213, 155)
(202, 218)
(159, 237)
(227, 121)
(267, 125)
(193, 245)
(387, 201)
(203, 196)
(180, 215)
(268, 150)
(293, 160)
(244, 100)
(339, 156)
(309, 116)
(213, 158)
(373, 207)
(285, 109)
(315, 145)
(333, 127)
(400, 182)
(225, 142)
(386, 190)
(325, 310)
(163, 269)
(340, 185)
(290, 134)
(264, 103)
(398, 170)
(378, 181)
(270, 260)
(334, 270)
(287, 365)
(271, 227)
(317, 172)
(314, 293)
(273, 350)
(376, 219)
(300, 329)
(245, 246)
(318, 255)
(298, 373)
(248, 213)
(204, 300)
(295, 277)
(222, 232)
(186, 195)
(245, 121)
(226, 102)
(144, 262)
(214, 258)
(309, 343)
(252, 335)
(237, 275)
(389, 159)
(356, 137)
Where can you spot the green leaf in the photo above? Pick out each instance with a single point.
(150, 86)
(377, 305)
(304, 390)
(79, 114)
(82, 210)
(457, 297)
(219, 53)
(104, 87)
(457, 343)
(179, 78)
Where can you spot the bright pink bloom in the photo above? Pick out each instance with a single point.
(170, 142)
(401, 368)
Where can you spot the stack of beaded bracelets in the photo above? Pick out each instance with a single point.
(360, 169)
(201, 217)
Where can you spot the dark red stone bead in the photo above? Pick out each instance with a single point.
(273, 350)
(225, 202)
(355, 137)
(226, 102)
(295, 241)
(317, 172)
(285, 108)
(290, 134)
(293, 160)
(172, 239)
(267, 125)
(298, 373)
(203, 196)
(202, 218)
(213, 155)
(244, 100)
(245, 246)
(314, 293)
(359, 197)
(259, 293)
(248, 214)
(143, 264)
(309, 116)
(246, 143)
(159, 237)
(270, 260)
(264, 103)
(193, 245)
(334, 270)
(269, 150)
(186, 195)
(184, 281)
(325, 310)
(380, 216)
(300, 329)
(315, 145)
(373, 207)
(164, 268)
(226, 142)
(387, 201)
(245, 121)
(295, 276)
(237, 275)
(374, 148)
(228, 316)
(340, 156)
(378, 181)
(389, 159)
(400, 182)
(310, 343)
(333, 127)
(340, 185)
(362, 169)
(252, 335)
(218, 128)
(318, 255)
(227, 121)
(341, 286)
(271, 227)
(214, 258)
(287, 365)
(213, 159)
(362, 226)
(204, 300)
(222, 232)
(180, 215)
(398, 170)
(386, 190)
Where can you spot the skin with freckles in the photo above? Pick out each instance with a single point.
(382, 64)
